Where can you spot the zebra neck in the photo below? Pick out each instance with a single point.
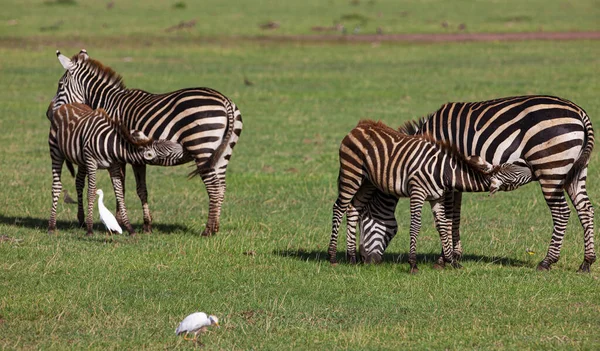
(110, 99)
(133, 154)
(468, 179)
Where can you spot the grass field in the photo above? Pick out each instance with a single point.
(265, 275)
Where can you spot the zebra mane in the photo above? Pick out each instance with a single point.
(451, 149)
(412, 127)
(123, 131)
(443, 146)
(101, 71)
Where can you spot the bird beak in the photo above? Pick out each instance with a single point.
(217, 324)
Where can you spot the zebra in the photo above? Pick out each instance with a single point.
(551, 135)
(205, 122)
(92, 140)
(410, 166)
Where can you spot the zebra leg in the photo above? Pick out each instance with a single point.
(339, 208)
(416, 206)
(362, 197)
(216, 193)
(555, 198)
(444, 228)
(121, 174)
(142, 192)
(585, 211)
(351, 224)
(115, 177)
(452, 207)
(56, 189)
(91, 199)
(79, 185)
(456, 244)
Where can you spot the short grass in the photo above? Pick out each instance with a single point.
(52, 18)
(266, 274)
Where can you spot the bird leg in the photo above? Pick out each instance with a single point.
(196, 341)
(185, 337)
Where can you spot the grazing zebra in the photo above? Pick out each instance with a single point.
(204, 121)
(92, 140)
(552, 136)
(414, 167)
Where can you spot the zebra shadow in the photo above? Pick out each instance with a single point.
(400, 258)
(42, 225)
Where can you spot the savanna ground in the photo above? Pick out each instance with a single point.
(265, 274)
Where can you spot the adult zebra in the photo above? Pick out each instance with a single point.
(204, 121)
(552, 136)
(375, 156)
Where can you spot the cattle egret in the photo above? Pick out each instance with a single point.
(110, 222)
(196, 323)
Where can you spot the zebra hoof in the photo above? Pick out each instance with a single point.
(439, 266)
(584, 268)
(89, 233)
(414, 270)
(51, 231)
(543, 267)
(352, 260)
(147, 228)
(209, 232)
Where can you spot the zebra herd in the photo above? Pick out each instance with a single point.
(97, 123)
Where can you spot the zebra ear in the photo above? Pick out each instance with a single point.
(480, 164)
(84, 55)
(64, 61)
(139, 137)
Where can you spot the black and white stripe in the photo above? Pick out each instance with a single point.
(92, 140)
(205, 122)
(376, 157)
(552, 136)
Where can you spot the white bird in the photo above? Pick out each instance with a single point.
(196, 323)
(110, 222)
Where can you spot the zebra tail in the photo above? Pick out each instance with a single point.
(214, 158)
(584, 159)
(70, 168)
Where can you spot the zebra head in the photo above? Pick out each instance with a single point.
(168, 153)
(69, 87)
(158, 152)
(506, 176)
(509, 176)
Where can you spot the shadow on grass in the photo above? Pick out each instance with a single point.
(390, 258)
(42, 224)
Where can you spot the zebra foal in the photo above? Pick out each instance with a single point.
(92, 140)
(374, 156)
(550, 135)
(205, 122)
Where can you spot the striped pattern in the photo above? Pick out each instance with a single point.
(205, 122)
(552, 136)
(92, 140)
(376, 157)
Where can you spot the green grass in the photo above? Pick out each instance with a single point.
(265, 275)
(217, 18)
